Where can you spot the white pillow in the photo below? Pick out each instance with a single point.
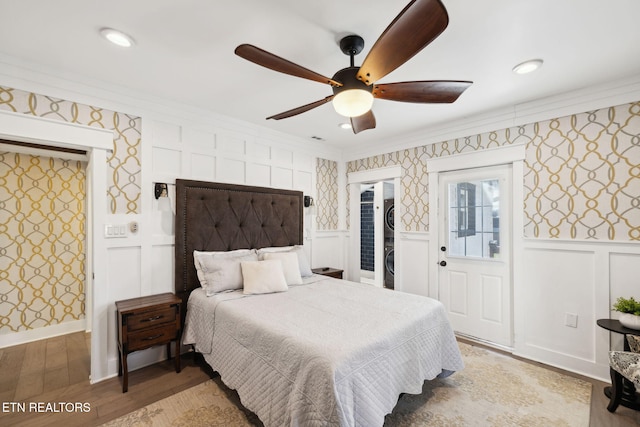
(303, 262)
(289, 266)
(263, 277)
(271, 249)
(221, 271)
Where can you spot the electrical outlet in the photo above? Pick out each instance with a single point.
(571, 320)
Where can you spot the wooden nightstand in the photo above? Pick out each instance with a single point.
(328, 271)
(145, 322)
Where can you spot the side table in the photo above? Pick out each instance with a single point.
(328, 271)
(630, 398)
(145, 322)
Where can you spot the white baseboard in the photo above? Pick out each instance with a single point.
(23, 337)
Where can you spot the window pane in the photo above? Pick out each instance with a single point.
(474, 223)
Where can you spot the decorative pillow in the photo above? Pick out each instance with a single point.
(263, 277)
(290, 266)
(221, 271)
(271, 249)
(303, 261)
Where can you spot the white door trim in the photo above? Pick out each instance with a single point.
(354, 179)
(97, 142)
(477, 159)
(512, 154)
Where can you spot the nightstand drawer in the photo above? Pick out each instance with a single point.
(152, 318)
(150, 337)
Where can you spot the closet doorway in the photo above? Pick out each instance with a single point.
(43, 241)
(373, 249)
(96, 143)
(377, 219)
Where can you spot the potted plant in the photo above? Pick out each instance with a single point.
(630, 312)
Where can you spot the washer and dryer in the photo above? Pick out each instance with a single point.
(389, 218)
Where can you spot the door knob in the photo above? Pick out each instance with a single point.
(442, 263)
(443, 248)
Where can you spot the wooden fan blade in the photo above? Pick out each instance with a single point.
(414, 28)
(363, 122)
(300, 110)
(435, 92)
(273, 62)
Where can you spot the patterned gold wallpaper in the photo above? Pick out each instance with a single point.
(124, 163)
(42, 216)
(327, 194)
(42, 235)
(582, 174)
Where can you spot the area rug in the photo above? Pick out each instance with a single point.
(492, 390)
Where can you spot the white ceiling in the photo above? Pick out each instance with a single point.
(184, 53)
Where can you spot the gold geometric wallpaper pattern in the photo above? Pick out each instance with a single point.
(582, 174)
(42, 235)
(124, 163)
(327, 194)
(42, 214)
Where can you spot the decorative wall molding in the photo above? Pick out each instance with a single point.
(617, 92)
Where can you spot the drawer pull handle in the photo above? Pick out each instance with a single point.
(152, 338)
(151, 319)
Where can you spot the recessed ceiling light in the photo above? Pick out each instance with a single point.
(345, 125)
(528, 66)
(117, 37)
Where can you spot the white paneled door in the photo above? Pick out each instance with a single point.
(475, 251)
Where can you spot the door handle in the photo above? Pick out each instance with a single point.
(442, 263)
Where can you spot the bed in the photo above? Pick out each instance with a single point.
(320, 352)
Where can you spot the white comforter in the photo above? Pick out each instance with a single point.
(331, 352)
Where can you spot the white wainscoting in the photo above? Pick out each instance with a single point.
(143, 262)
(559, 277)
(330, 250)
(412, 270)
(576, 278)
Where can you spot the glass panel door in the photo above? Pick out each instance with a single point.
(474, 218)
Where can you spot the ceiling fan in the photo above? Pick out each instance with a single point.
(354, 88)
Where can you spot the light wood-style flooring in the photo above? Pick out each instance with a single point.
(57, 370)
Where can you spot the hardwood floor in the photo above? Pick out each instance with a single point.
(56, 371)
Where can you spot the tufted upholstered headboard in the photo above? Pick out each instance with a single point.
(213, 216)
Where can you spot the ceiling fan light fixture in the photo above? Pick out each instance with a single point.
(528, 66)
(352, 102)
(353, 98)
(117, 37)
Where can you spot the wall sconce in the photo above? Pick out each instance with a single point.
(161, 193)
(161, 190)
(308, 201)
